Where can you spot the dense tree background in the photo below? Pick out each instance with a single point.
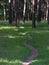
(14, 13)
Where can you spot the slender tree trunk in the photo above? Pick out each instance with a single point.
(10, 12)
(28, 8)
(16, 12)
(4, 9)
(24, 10)
(39, 10)
(35, 9)
(48, 10)
(33, 13)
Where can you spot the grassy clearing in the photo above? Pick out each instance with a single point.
(13, 52)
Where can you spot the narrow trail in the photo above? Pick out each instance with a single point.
(34, 52)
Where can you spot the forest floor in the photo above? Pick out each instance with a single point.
(14, 52)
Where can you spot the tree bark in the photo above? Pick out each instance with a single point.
(10, 13)
(16, 12)
(24, 10)
(48, 9)
(4, 13)
(39, 10)
(33, 13)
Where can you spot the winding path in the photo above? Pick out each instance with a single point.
(34, 52)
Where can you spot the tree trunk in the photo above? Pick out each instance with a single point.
(39, 10)
(33, 13)
(24, 10)
(16, 11)
(48, 10)
(4, 9)
(10, 12)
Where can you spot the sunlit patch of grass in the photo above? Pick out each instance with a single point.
(9, 61)
(11, 36)
(48, 47)
(23, 33)
(7, 27)
(34, 61)
(21, 27)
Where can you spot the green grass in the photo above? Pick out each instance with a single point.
(13, 52)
